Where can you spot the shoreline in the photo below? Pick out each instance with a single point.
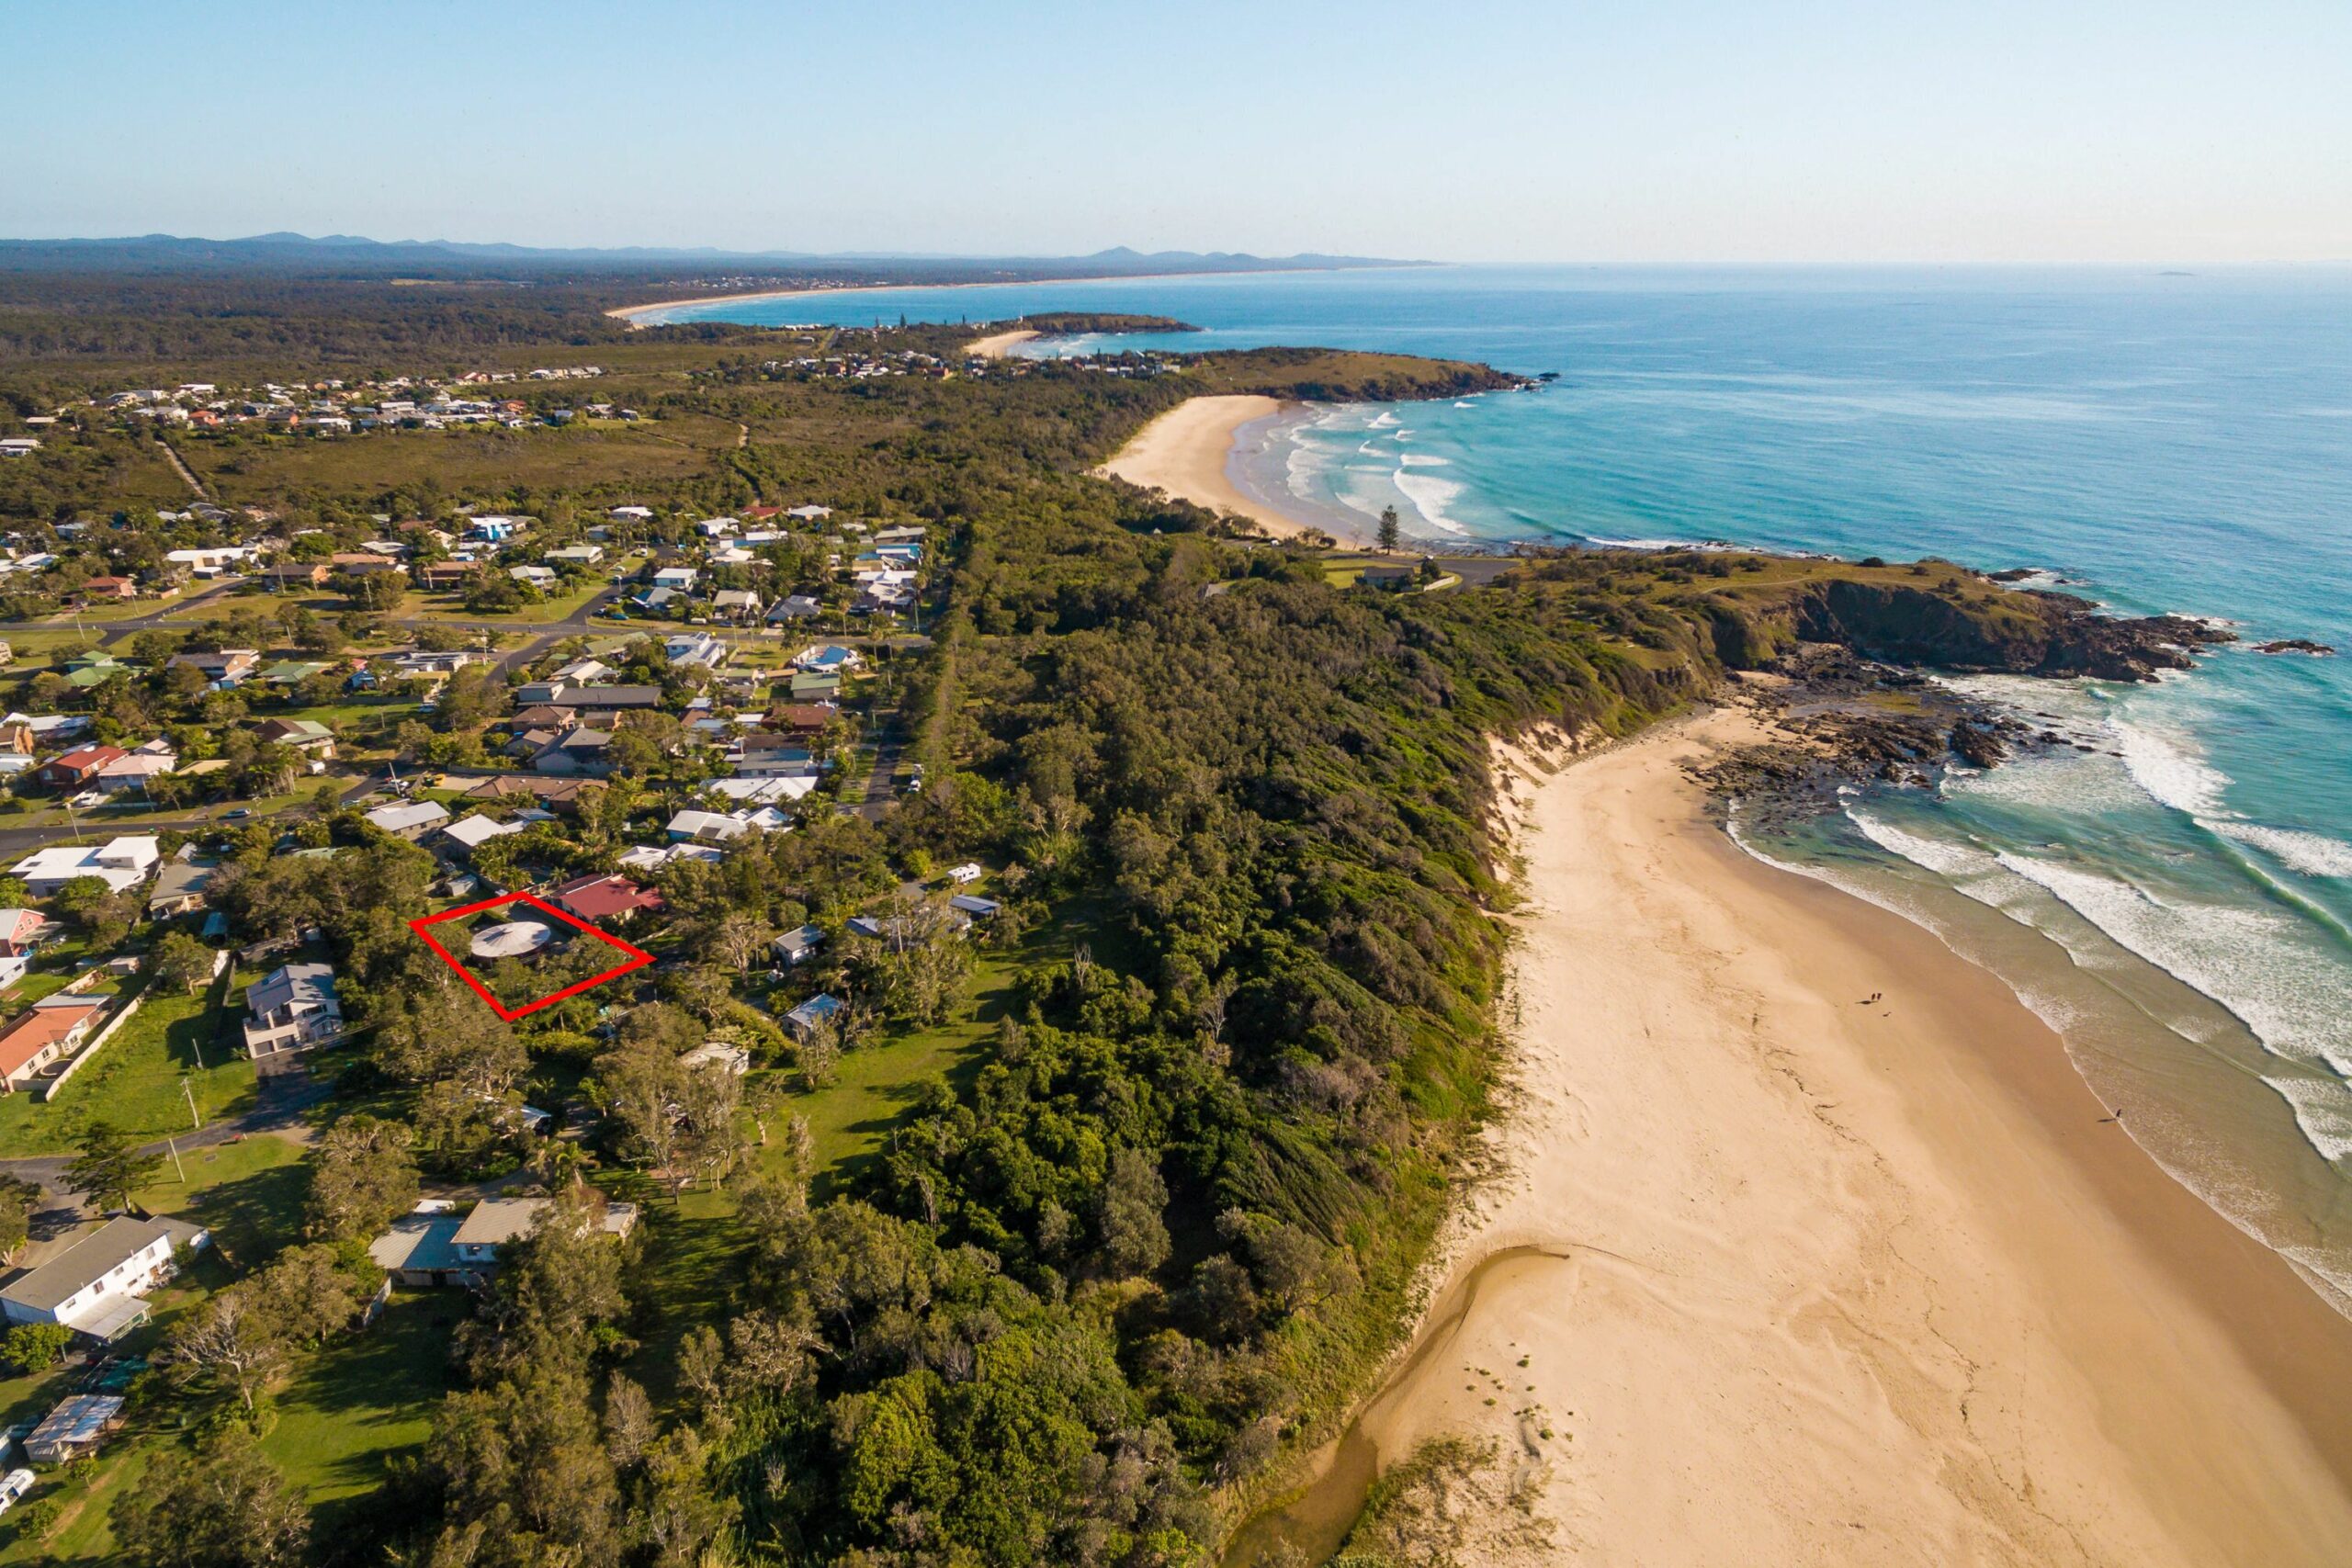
(1799, 1277)
(999, 344)
(630, 313)
(1187, 452)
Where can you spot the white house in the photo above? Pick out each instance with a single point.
(827, 659)
(294, 1008)
(96, 1285)
(121, 864)
(212, 559)
(471, 832)
(409, 819)
(720, 1054)
(695, 647)
(677, 579)
(688, 826)
(795, 946)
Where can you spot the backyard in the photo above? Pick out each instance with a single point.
(135, 1082)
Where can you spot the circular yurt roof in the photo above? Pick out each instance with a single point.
(512, 939)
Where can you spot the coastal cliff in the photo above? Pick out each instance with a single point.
(1960, 623)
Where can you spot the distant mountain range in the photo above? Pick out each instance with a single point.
(349, 255)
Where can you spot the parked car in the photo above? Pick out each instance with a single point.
(239, 814)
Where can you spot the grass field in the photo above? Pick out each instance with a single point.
(341, 1413)
(364, 1398)
(135, 1080)
(249, 1194)
(82, 1533)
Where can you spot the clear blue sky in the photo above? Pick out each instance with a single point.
(1627, 129)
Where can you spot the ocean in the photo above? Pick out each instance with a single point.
(2175, 895)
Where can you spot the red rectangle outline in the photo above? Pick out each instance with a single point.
(639, 957)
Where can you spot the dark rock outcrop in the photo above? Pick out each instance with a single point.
(2029, 632)
(2294, 644)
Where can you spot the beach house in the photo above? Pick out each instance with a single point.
(407, 819)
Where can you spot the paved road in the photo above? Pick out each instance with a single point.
(281, 1101)
(889, 742)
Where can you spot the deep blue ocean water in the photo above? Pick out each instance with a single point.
(2178, 897)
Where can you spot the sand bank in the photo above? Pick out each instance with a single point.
(998, 346)
(1184, 453)
(1801, 1276)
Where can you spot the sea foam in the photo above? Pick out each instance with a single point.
(1431, 498)
(2252, 960)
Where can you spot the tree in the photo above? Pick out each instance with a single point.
(109, 1166)
(1391, 530)
(180, 962)
(638, 1084)
(362, 1175)
(32, 1346)
(307, 1294)
(629, 1424)
(19, 1198)
(232, 1343)
(527, 1475)
(81, 897)
(223, 1506)
(558, 1290)
(1135, 1236)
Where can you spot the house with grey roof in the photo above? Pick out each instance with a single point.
(496, 1223)
(179, 889)
(408, 818)
(293, 1008)
(97, 1286)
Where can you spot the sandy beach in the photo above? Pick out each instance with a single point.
(630, 313)
(1810, 1246)
(1183, 453)
(998, 346)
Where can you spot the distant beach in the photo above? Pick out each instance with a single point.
(1808, 1244)
(1187, 453)
(999, 344)
(631, 313)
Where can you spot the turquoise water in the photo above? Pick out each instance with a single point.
(2178, 897)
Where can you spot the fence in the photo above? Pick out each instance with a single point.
(75, 1063)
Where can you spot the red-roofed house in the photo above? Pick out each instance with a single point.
(612, 897)
(72, 769)
(41, 1037)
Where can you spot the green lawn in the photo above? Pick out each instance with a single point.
(849, 1118)
(82, 1533)
(561, 606)
(364, 1398)
(135, 1080)
(249, 1194)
